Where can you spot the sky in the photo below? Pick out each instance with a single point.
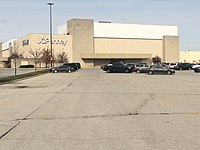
(21, 17)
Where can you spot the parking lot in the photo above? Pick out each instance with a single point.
(91, 109)
(4, 72)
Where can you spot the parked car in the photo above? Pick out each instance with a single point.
(183, 66)
(73, 65)
(118, 67)
(132, 65)
(160, 70)
(197, 70)
(104, 66)
(165, 64)
(141, 68)
(195, 66)
(172, 65)
(62, 68)
(78, 65)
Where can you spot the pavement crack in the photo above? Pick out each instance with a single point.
(143, 103)
(49, 100)
(84, 117)
(112, 115)
(67, 86)
(9, 130)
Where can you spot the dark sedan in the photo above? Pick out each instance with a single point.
(197, 70)
(160, 70)
(63, 68)
(75, 66)
(183, 66)
(119, 67)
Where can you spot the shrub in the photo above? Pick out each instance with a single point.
(26, 66)
(156, 60)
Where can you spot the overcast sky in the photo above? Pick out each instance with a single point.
(21, 17)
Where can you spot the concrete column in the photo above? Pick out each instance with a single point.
(82, 31)
(170, 48)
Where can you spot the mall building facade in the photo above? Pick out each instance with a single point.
(96, 43)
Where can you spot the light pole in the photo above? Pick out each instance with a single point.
(14, 55)
(50, 28)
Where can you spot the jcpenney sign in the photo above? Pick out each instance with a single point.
(45, 40)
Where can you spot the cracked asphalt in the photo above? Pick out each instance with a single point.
(93, 110)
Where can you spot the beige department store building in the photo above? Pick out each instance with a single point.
(190, 56)
(95, 43)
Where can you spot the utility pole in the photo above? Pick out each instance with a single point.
(15, 59)
(50, 28)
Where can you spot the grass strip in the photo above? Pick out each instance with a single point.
(22, 76)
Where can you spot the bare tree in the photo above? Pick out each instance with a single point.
(15, 54)
(46, 56)
(62, 57)
(36, 54)
(156, 60)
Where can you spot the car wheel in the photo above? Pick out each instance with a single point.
(108, 70)
(55, 71)
(126, 71)
(138, 71)
(169, 72)
(69, 71)
(150, 72)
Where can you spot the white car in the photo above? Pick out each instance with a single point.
(173, 65)
(195, 66)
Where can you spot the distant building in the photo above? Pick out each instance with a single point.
(95, 43)
(190, 56)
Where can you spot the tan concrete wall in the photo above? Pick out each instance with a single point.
(1, 49)
(18, 63)
(88, 63)
(171, 48)
(6, 53)
(190, 56)
(99, 62)
(128, 46)
(82, 38)
(2, 65)
(24, 50)
(26, 61)
(34, 44)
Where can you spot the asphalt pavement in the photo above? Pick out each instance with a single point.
(92, 110)
(4, 72)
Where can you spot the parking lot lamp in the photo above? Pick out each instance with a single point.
(50, 28)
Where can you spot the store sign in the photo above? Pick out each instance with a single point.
(25, 42)
(54, 41)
